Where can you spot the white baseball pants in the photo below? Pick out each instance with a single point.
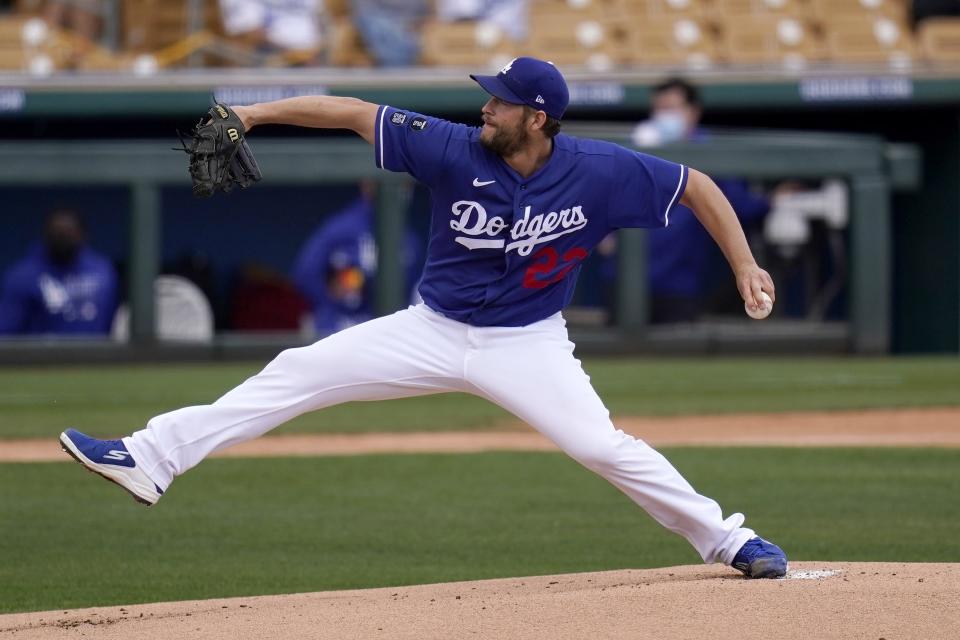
(529, 371)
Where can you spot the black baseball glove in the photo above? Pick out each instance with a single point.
(219, 156)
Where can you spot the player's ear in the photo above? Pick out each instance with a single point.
(538, 120)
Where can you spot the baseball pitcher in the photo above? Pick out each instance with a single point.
(517, 207)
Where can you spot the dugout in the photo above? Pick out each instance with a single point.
(893, 304)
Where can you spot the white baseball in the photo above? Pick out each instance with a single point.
(763, 311)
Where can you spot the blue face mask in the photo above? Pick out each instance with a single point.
(671, 125)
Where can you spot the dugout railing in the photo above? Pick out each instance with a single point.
(871, 167)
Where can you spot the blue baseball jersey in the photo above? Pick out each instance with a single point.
(505, 250)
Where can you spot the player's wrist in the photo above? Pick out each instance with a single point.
(247, 115)
(745, 266)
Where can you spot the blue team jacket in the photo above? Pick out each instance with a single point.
(42, 298)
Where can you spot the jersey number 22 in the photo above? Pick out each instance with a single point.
(545, 262)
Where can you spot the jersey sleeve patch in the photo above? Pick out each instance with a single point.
(414, 143)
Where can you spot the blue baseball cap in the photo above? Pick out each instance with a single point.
(535, 83)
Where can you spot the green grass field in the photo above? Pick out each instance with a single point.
(118, 399)
(255, 526)
(245, 527)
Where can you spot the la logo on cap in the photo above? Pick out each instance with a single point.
(531, 82)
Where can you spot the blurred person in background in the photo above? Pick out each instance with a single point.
(512, 16)
(337, 266)
(275, 26)
(83, 18)
(390, 29)
(681, 256)
(61, 287)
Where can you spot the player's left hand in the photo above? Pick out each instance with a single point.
(219, 156)
(751, 280)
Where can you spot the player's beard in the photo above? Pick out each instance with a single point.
(506, 142)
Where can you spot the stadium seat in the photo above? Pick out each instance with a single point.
(467, 44)
(11, 28)
(825, 11)
(583, 10)
(572, 39)
(11, 59)
(939, 39)
(660, 9)
(672, 41)
(764, 39)
(58, 47)
(859, 40)
(725, 10)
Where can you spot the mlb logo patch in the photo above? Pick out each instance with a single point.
(418, 124)
(398, 118)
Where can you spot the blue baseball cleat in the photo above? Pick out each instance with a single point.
(110, 459)
(758, 558)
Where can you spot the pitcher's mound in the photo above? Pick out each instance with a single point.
(816, 600)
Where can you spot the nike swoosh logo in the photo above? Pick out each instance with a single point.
(478, 183)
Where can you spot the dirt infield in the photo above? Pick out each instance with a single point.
(867, 601)
(904, 427)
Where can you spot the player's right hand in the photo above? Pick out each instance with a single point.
(751, 280)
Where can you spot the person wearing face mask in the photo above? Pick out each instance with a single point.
(61, 287)
(681, 255)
